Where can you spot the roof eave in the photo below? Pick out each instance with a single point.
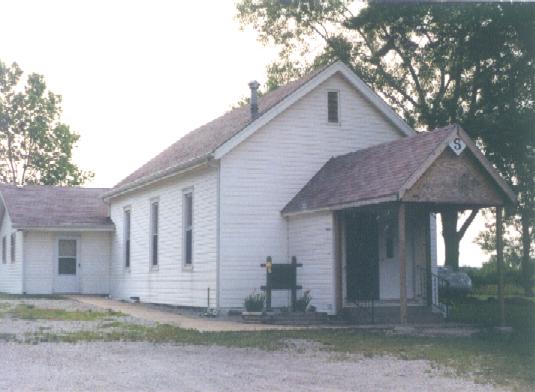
(63, 228)
(341, 206)
(158, 176)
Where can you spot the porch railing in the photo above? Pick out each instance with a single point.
(433, 289)
(366, 310)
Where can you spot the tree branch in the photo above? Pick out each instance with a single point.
(467, 223)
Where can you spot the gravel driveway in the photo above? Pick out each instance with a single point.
(147, 367)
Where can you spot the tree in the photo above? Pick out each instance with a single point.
(435, 64)
(35, 147)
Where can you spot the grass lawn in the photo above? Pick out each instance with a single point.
(6, 296)
(30, 312)
(486, 313)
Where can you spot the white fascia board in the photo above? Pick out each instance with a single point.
(66, 228)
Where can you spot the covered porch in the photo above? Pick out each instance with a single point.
(381, 205)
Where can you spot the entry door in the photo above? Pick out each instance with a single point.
(67, 266)
(362, 256)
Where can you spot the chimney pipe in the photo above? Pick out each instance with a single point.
(254, 98)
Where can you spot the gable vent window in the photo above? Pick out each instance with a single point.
(154, 206)
(332, 107)
(127, 220)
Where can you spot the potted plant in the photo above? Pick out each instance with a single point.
(254, 307)
(302, 303)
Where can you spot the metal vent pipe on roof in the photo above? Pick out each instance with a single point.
(254, 85)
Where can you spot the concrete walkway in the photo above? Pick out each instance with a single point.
(145, 312)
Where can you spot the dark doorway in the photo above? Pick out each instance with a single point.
(362, 256)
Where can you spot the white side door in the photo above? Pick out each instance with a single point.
(67, 266)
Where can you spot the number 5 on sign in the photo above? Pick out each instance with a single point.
(457, 145)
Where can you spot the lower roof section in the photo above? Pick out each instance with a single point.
(426, 168)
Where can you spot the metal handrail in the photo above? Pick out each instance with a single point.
(368, 306)
(440, 289)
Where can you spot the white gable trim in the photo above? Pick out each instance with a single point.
(337, 67)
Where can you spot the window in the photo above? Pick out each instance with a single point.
(67, 257)
(13, 246)
(187, 224)
(127, 215)
(332, 106)
(4, 250)
(154, 234)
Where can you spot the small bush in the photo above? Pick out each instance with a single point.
(302, 303)
(254, 302)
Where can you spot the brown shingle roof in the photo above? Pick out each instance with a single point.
(372, 173)
(50, 206)
(205, 140)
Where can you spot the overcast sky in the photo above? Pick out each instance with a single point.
(135, 76)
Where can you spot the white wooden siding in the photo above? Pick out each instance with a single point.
(311, 239)
(40, 261)
(170, 283)
(11, 273)
(262, 174)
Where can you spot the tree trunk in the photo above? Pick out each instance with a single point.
(451, 237)
(527, 273)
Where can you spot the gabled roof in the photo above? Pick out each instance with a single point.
(41, 207)
(219, 136)
(380, 173)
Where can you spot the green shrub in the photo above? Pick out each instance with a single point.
(254, 302)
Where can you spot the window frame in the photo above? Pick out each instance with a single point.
(76, 258)
(13, 247)
(127, 238)
(338, 111)
(4, 249)
(187, 228)
(154, 261)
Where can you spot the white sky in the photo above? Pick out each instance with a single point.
(135, 76)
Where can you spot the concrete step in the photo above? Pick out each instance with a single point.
(390, 315)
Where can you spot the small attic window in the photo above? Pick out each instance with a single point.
(332, 107)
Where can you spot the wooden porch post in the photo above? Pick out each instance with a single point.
(402, 264)
(499, 263)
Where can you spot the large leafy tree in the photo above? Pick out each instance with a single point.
(435, 64)
(35, 147)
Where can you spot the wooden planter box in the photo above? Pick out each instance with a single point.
(253, 317)
(285, 318)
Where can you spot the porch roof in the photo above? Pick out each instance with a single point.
(385, 172)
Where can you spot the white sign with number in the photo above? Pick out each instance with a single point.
(457, 145)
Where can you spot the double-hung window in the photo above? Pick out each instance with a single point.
(154, 207)
(4, 250)
(126, 228)
(187, 224)
(13, 246)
